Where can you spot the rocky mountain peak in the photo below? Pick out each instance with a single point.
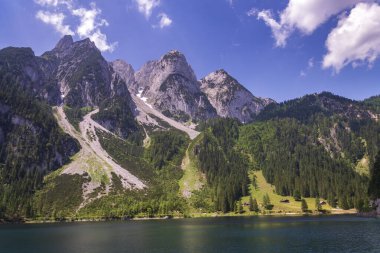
(127, 73)
(170, 85)
(230, 98)
(221, 78)
(174, 62)
(64, 43)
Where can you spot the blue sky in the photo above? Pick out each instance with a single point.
(278, 49)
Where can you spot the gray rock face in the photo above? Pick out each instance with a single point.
(230, 98)
(170, 86)
(31, 72)
(127, 73)
(75, 74)
(83, 75)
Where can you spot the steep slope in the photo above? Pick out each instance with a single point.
(127, 73)
(170, 86)
(230, 98)
(324, 103)
(373, 102)
(85, 78)
(31, 145)
(319, 145)
(34, 74)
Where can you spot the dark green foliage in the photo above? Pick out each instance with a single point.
(161, 176)
(127, 154)
(116, 115)
(33, 74)
(297, 195)
(250, 203)
(75, 115)
(202, 201)
(239, 207)
(266, 202)
(318, 205)
(30, 140)
(226, 169)
(304, 207)
(373, 102)
(305, 108)
(374, 186)
(165, 147)
(61, 197)
(293, 158)
(254, 207)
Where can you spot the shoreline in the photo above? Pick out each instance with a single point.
(192, 216)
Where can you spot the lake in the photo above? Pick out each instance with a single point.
(235, 234)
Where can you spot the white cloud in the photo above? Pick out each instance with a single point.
(231, 2)
(56, 20)
(53, 2)
(280, 32)
(302, 15)
(164, 20)
(146, 6)
(89, 26)
(356, 39)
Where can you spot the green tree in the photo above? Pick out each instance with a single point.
(297, 195)
(318, 206)
(239, 207)
(304, 206)
(374, 186)
(343, 203)
(250, 203)
(254, 206)
(266, 202)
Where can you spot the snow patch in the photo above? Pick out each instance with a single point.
(144, 99)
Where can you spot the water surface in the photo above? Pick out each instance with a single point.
(238, 234)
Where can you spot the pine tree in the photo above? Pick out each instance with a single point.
(304, 206)
(318, 206)
(250, 203)
(297, 195)
(255, 206)
(374, 186)
(240, 207)
(266, 202)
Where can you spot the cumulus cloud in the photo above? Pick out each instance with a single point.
(56, 20)
(164, 20)
(356, 39)
(302, 15)
(89, 26)
(146, 6)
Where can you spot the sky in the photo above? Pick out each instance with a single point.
(281, 49)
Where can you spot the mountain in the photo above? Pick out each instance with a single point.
(306, 144)
(75, 77)
(324, 103)
(230, 98)
(127, 73)
(83, 137)
(31, 142)
(170, 86)
(85, 79)
(373, 102)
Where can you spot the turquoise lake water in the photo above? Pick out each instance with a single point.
(237, 234)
